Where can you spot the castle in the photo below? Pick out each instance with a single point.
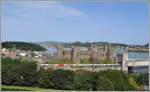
(93, 53)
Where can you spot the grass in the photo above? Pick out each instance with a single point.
(24, 88)
(82, 61)
(105, 61)
(85, 61)
(60, 62)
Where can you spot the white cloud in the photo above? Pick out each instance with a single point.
(44, 8)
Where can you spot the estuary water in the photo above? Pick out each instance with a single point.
(138, 55)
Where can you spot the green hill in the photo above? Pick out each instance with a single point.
(22, 46)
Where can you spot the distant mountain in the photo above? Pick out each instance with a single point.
(49, 43)
(77, 43)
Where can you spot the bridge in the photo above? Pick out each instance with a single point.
(133, 65)
(132, 62)
(136, 66)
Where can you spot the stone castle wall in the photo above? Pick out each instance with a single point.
(92, 53)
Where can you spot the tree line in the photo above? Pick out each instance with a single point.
(24, 73)
(22, 46)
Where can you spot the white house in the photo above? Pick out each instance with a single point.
(23, 54)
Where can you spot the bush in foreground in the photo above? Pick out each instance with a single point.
(57, 79)
(119, 79)
(143, 79)
(23, 73)
(85, 80)
(18, 72)
(104, 84)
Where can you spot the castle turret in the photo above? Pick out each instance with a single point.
(75, 55)
(109, 53)
(93, 54)
(60, 51)
(124, 60)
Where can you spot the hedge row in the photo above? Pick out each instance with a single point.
(24, 73)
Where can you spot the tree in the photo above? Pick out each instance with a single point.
(118, 78)
(57, 79)
(77, 43)
(85, 80)
(18, 72)
(104, 84)
(143, 79)
(44, 78)
(22, 46)
(62, 79)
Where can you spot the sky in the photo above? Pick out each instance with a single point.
(37, 21)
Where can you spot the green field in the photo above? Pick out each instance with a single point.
(82, 61)
(59, 62)
(23, 88)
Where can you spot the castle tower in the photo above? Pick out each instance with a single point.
(93, 54)
(60, 51)
(124, 60)
(109, 53)
(75, 55)
(105, 48)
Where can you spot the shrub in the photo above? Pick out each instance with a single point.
(17, 72)
(43, 80)
(104, 84)
(132, 80)
(23, 73)
(84, 80)
(143, 79)
(62, 79)
(57, 79)
(119, 79)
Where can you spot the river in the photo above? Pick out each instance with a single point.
(138, 55)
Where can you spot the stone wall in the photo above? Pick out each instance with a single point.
(93, 53)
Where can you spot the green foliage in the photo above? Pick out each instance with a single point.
(22, 46)
(62, 79)
(119, 79)
(60, 62)
(104, 84)
(85, 61)
(17, 72)
(143, 79)
(84, 80)
(14, 88)
(57, 79)
(132, 81)
(77, 43)
(24, 88)
(88, 44)
(105, 61)
(23, 73)
(44, 79)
